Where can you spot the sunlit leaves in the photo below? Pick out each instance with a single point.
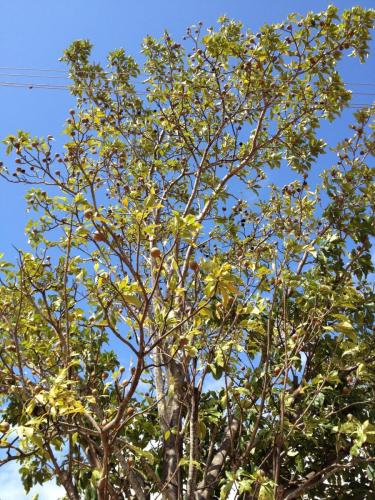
(173, 292)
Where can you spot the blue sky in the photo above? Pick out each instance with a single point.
(34, 35)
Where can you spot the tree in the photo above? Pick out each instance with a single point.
(165, 336)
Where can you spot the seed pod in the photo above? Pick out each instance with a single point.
(98, 236)
(155, 252)
(130, 411)
(88, 213)
(4, 427)
(194, 266)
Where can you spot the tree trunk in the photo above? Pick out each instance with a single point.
(172, 451)
(206, 488)
(192, 476)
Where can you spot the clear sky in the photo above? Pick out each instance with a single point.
(35, 33)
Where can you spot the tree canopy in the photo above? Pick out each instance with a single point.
(183, 325)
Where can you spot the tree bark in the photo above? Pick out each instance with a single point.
(206, 488)
(172, 444)
(192, 475)
(135, 480)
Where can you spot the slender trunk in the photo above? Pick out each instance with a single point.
(206, 488)
(135, 481)
(172, 442)
(70, 489)
(64, 478)
(170, 466)
(192, 476)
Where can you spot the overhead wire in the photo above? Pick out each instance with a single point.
(51, 70)
(66, 75)
(68, 87)
(63, 75)
(47, 86)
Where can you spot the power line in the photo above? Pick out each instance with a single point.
(66, 75)
(364, 84)
(15, 68)
(32, 85)
(54, 77)
(47, 86)
(24, 75)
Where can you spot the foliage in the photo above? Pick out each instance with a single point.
(162, 334)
